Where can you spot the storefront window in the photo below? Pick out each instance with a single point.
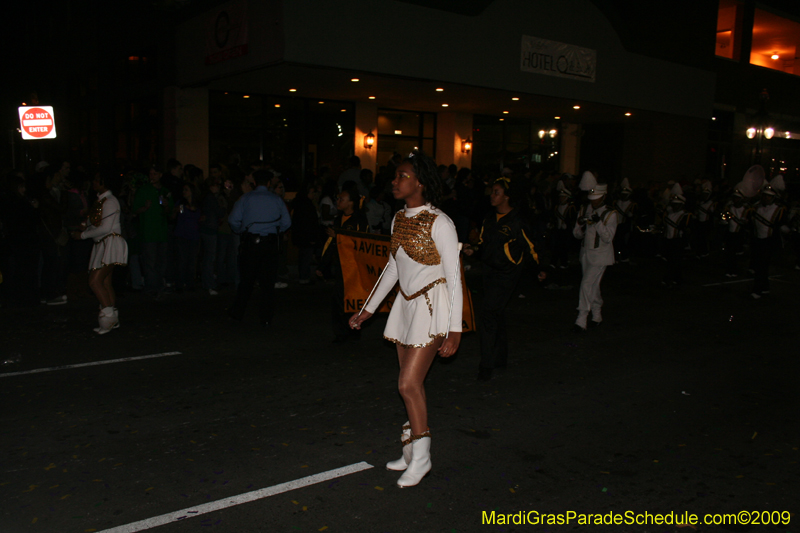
(513, 143)
(774, 42)
(403, 131)
(296, 136)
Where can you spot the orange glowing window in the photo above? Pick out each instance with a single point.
(775, 42)
(729, 28)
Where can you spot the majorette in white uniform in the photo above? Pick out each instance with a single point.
(110, 247)
(424, 259)
(597, 252)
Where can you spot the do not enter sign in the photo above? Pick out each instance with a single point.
(37, 122)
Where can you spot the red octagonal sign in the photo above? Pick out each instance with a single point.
(37, 122)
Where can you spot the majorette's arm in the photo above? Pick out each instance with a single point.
(387, 281)
(446, 239)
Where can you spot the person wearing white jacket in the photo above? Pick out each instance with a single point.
(110, 250)
(426, 315)
(596, 227)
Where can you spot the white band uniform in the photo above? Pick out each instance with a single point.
(423, 259)
(110, 247)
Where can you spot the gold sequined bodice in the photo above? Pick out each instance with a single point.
(96, 214)
(414, 235)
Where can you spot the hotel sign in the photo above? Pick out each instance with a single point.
(557, 59)
(226, 34)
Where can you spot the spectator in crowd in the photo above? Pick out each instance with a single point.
(20, 221)
(260, 217)
(153, 204)
(227, 240)
(213, 214)
(187, 237)
(305, 231)
(379, 213)
(353, 173)
(351, 217)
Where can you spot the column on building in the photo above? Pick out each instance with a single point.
(186, 128)
(451, 130)
(570, 151)
(366, 123)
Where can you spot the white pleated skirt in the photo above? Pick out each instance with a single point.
(417, 323)
(111, 250)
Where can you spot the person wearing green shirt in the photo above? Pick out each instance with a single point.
(152, 204)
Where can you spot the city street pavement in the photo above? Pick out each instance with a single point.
(685, 400)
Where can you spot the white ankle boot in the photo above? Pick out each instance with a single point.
(107, 320)
(402, 463)
(420, 463)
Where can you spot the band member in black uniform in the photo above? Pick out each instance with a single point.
(503, 245)
(564, 214)
(350, 218)
(676, 224)
(626, 214)
(260, 217)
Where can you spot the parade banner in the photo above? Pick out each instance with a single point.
(363, 257)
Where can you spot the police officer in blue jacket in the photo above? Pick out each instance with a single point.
(260, 217)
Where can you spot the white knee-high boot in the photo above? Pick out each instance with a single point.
(402, 463)
(420, 463)
(107, 320)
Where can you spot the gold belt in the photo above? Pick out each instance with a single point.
(423, 290)
(109, 235)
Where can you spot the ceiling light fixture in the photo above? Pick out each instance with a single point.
(628, 114)
(439, 89)
(515, 98)
(576, 107)
(354, 80)
(292, 90)
(246, 96)
(371, 97)
(505, 112)
(557, 118)
(775, 56)
(445, 105)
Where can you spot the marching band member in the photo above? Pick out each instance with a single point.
(110, 250)
(626, 210)
(736, 216)
(503, 245)
(676, 222)
(596, 227)
(767, 220)
(426, 316)
(706, 208)
(565, 213)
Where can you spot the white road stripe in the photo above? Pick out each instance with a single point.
(210, 507)
(95, 363)
(773, 278)
(728, 282)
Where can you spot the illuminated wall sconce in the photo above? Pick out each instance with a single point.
(751, 133)
(542, 133)
(369, 140)
(768, 133)
(466, 146)
(552, 133)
